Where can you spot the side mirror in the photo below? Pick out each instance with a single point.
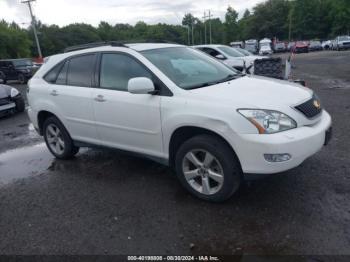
(220, 56)
(141, 85)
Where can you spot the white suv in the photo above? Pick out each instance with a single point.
(179, 106)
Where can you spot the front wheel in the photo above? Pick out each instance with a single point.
(20, 105)
(208, 168)
(58, 139)
(22, 79)
(3, 77)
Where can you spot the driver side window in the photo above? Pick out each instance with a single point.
(117, 69)
(211, 52)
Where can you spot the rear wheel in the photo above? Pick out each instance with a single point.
(208, 168)
(58, 139)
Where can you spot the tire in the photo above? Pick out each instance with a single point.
(58, 140)
(3, 77)
(20, 105)
(22, 79)
(224, 166)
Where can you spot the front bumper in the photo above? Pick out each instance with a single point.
(300, 143)
(8, 108)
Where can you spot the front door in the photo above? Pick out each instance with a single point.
(126, 121)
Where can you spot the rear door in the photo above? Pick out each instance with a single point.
(126, 121)
(71, 94)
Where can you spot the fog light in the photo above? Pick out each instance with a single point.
(277, 157)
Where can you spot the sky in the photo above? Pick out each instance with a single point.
(63, 12)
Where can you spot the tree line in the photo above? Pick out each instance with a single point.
(283, 19)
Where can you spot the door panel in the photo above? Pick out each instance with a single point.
(124, 120)
(128, 121)
(75, 105)
(71, 93)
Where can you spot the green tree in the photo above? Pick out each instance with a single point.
(231, 25)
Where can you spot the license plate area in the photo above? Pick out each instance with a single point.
(328, 137)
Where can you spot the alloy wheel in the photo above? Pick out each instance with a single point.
(55, 139)
(203, 172)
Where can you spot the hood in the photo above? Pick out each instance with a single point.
(234, 61)
(256, 92)
(5, 91)
(255, 57)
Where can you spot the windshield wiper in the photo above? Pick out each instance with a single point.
(227, 78)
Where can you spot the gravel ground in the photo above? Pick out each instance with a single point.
(104, 202)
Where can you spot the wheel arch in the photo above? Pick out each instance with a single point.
(42, 116)
(182, 134)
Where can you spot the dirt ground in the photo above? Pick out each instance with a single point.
(103, 202)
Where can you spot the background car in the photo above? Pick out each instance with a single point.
(315, 45)
(247, 53)
(342, 42)
(301, 47)
(280, 47)
(265, 47)
(11, 100)
(251, 46)
(16, 69)
(326, 45)
(227, 55)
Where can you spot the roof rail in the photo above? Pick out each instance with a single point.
(92, 45)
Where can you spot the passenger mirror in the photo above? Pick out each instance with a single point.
(220, 56)
(141, 85)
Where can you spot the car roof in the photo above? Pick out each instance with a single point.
(138, 47)
(17, 59)
(211, 45)
(149, 46)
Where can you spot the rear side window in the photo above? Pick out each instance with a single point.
(80, 70)
(51, 76)
(118, 69)
(62, 76)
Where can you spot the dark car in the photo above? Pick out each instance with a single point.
(301, 47)
(16, 69)
(11, 100)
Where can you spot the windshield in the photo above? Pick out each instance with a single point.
(315, 43)
(24, 62)
(229, 51)
(189, 68)
(344, 38)
(264, 44)
(244, 52)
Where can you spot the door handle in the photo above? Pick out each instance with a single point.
(100, 98)
(54, 93)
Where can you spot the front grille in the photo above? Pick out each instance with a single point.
(4, 101)
(310, 108)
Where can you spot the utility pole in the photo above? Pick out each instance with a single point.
(188, 35)
(209, 16)
(205, 28)
(33, 25)
(290, 23)
(192, 32)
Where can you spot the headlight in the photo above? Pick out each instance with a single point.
(268, 121)
(14, 92)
